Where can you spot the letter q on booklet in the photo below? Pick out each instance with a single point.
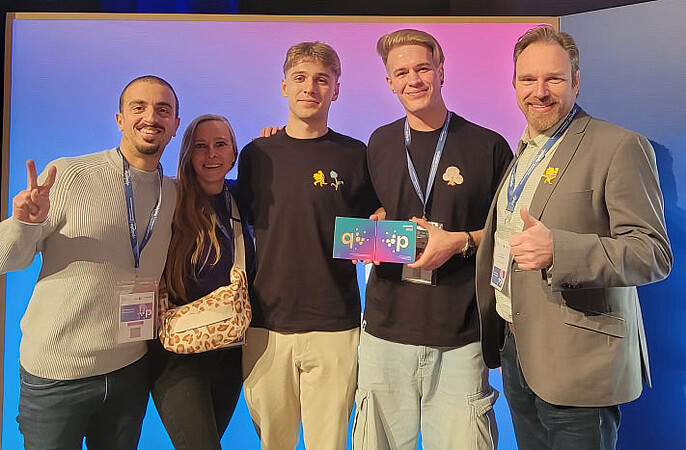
(386, 240)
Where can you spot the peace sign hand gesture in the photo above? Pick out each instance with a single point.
(32, 205)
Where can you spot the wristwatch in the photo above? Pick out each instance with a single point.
(469, 247)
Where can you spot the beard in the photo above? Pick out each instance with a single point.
(148, 150)
(543, 121)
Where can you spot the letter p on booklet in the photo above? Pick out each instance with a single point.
(384, 240)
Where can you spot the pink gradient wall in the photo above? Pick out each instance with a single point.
(67, 76)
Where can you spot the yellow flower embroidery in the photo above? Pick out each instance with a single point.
(319, 178)
(550, 174)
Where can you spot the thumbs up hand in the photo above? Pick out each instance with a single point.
(532, 248)
(529, 220)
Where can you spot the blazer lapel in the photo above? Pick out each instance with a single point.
(560, 160)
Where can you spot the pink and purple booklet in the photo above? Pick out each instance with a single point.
(385, 240)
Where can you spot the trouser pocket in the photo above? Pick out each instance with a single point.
(483, 419)
(368, 431)
(362, 398)
(33, 382)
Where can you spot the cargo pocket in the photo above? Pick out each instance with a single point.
(483, 419)
(366, 427)
(360, 421)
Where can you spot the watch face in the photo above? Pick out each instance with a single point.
(470, 247)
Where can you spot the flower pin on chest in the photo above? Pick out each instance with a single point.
(319, 179)
(336, 183)
(549, 175)
(453, 176)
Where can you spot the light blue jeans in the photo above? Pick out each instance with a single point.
(407, 389)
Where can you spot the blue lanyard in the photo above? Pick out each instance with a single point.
(513, 193)
(424, 198)
(133, 229)
(222, 228)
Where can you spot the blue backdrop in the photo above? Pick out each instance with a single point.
(67, 75)
(632, 74)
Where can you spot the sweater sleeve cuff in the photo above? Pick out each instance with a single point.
(28, 223)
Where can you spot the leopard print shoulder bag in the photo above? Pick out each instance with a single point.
(216, 320)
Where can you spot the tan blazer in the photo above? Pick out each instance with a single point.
(580, 339)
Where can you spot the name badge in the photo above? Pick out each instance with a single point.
(501, 263)
(420, 276)
(137, 311)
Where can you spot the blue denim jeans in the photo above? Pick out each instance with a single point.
(541, 425)
(106, 409)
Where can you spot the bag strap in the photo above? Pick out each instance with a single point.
(238, 243)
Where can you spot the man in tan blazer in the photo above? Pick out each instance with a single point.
(576, 225)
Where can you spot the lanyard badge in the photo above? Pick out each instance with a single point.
(421, 276)
(514, 192)
(137, 314)
(424, 196)
(131, 212)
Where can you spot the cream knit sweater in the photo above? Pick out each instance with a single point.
(70, 325)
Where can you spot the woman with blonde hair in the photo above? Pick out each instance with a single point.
(195, 394)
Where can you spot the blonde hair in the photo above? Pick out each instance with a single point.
(194, 223)
(389, 41)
